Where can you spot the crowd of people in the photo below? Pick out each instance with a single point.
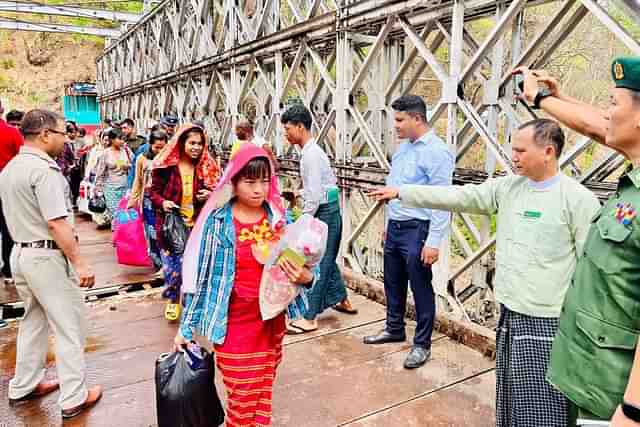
(566, 268)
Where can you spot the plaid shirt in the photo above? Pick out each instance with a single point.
(166, 184)
(207, 312)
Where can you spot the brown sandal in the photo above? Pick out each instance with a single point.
(345, 307)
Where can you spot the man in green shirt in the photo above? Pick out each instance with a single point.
(592, 361)
(542, 221)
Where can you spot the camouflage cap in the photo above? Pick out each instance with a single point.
(625, 71)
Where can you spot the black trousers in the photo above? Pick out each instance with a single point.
(7, 245)
(403, 265)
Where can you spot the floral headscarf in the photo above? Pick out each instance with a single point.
(220, 196)
(206, 169)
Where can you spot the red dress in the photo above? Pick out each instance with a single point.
(252, 348)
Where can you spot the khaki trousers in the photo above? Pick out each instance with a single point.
(48, 285)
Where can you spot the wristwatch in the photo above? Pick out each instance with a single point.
(542, 94)
(630, 411)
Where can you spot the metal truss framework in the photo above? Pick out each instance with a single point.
(217, 59)
(21, 7)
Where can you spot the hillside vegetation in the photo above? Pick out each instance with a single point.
(34, 67)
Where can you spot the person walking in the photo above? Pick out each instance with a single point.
(49, 269)
(413, 235)
(542, 221)
(226, 307)
(322, 200)
(140, 193)
(111, 172)
(182, 177)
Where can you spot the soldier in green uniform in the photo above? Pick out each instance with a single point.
(594, 361)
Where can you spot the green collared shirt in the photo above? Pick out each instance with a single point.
(593, 352)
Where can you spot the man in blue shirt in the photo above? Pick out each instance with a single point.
(413, 236)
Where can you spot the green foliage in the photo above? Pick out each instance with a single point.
(7, 64)
(35, 98)
(5, 83)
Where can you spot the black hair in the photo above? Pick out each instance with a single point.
(129, 122)
(115, 133)
(71, 127)
(412, 105)
(546, 132)
(156, 127)
(15, 116)
(35, 121)
(82, 132)
(157, 135)
(297, 114)
(185, 135)
(257, 168)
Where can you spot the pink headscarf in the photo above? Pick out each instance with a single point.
(220, 196)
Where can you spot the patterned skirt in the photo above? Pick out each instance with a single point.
(112, 195)
(172, 271)
(329, 290)
(248, 361)
(523, 396)
(149, 216)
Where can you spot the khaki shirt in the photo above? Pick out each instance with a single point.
(593, 351)
(33, 191)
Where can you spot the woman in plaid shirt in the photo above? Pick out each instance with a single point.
(245, 210)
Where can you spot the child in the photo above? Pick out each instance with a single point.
(225, 309)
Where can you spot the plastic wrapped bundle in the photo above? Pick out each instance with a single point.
(303, 243)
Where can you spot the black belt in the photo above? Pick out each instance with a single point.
(39, 244)
(412, 223)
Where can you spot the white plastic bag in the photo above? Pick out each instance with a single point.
(304, 243)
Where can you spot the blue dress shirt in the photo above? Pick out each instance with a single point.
(425, 161)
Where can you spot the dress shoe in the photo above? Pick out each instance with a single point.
(95, 393)
(42, 389)
(417, 357)
(383, 338)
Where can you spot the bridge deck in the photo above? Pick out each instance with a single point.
(328, 377)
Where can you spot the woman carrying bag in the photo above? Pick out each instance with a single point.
(244, 211)
(111, 172)
(140, 192)
(182, 177)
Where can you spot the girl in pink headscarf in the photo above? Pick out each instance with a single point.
(244, 212)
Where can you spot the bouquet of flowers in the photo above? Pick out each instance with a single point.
(303, 243)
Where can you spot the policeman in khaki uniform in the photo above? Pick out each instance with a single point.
(48, 268)
(594, 361)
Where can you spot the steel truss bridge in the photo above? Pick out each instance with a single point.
(218, 59)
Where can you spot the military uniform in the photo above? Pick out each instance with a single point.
(33, 186)
(593, 352)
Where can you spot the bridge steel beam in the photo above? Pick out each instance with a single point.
(218, 59)
(8, 24)
(71, 11)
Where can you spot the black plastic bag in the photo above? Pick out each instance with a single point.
(175, 232)
(185, 392)
(97, 204)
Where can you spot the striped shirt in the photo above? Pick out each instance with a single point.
(207, 312)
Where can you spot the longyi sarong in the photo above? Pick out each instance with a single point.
(523, 396)
(248, 361)
(329, 289)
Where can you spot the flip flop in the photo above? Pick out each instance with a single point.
(341, 309)
(297, 330)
